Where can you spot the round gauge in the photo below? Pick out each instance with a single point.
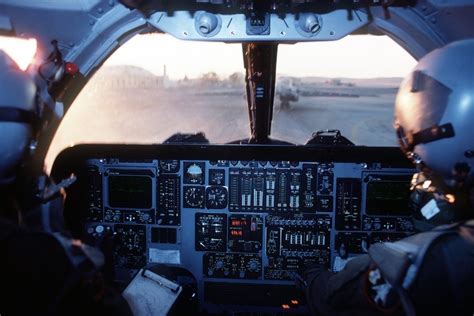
(169, 166)
(194, 197)
(217, 176)
(216, 197)
(194, 173)
(294, 163)
(254, 265)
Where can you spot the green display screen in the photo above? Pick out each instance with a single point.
(130, 191)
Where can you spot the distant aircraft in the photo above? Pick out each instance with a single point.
(287, 92)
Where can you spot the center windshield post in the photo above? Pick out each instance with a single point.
(260, 66)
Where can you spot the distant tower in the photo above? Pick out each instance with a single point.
(165, 78)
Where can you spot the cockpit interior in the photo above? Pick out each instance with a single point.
(234, 223)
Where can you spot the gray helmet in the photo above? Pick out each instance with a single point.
(17, 105)
(434, 111)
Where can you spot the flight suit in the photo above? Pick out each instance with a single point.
(50, 274)
(430, 273)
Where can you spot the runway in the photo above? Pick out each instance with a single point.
(150, 116)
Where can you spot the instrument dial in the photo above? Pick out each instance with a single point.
(169, 166)
(254, 265)
(193, 197)
(216, 197)
(217, 176)
(194, 172)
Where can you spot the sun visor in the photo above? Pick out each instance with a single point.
(429, 98)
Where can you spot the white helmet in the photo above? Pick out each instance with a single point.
(17, 105)
(434, 112)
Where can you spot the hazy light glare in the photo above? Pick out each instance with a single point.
(22, 51)
(182, 58)
(119, 106)
(359, 56)
(465, 103)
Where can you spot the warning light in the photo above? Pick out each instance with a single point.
(71, 68)
(294, 302)
(236, 233)
(285, 306)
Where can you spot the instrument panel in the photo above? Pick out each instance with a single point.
(246, 224)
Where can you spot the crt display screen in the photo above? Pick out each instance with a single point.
(130, 191)
(388, 197)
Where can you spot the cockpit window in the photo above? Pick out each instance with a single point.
(21, 50)
(155, 86)
(347, 85)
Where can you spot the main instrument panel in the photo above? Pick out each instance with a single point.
(242, 227)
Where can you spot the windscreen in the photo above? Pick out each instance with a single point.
(155, 86)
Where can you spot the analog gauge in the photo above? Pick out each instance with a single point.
(211, 232)
(254, 265)
(169, 166)
(193, 197)
(217, 176)
(294, 163)
(194, 172)
(216, 197)
(222, 163)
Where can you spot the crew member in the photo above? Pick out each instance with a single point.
(430, 273)
(42, 270)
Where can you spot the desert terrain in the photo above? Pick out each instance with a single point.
(128, 105)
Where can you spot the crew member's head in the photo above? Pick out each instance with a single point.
(17, 106)
(434, 112)
(434, 115)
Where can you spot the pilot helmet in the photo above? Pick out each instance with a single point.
(17, 105)
(434, 110)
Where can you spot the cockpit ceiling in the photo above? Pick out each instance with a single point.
(89, 31)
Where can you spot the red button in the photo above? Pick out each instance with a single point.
(71, 68)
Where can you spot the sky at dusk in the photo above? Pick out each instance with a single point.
(354, 56)
(361, 56)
